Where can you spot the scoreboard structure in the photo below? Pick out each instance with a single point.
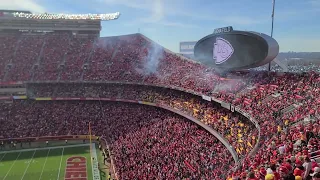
(187, 48)
(227, 49)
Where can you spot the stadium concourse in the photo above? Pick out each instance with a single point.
(269, 135)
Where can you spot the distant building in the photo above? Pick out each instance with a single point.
(186, 48)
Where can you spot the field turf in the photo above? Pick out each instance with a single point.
(48, 163)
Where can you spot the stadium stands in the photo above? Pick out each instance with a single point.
(52, 55)
(275, 100)
(146, 142)
(78, 52)
(26, 55)
(239, 131)
(7, 50)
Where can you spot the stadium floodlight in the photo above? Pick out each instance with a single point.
(102, 17)
(272, 22)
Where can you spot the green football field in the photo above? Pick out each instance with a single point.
(50, 163)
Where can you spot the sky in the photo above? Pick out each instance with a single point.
(168, 22)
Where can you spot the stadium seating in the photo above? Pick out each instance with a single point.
(146, 142)
(25, 57)
(240, 132)
(7, 49)
(78, 52)
(276, 100)
(52, 56)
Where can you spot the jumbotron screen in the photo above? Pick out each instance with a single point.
(232, 50)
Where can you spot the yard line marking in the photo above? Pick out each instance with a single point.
(28, 165)
(60, 164)
(44, 148)
(3, 156)
(12, 165)
(44, 164)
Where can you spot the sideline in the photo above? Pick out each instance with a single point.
(94, 163)
(44, 148)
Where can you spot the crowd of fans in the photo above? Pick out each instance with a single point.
(78, 52)
(238, 130)
(274, 100)
(7, 49)
(52, 56)
(293, 67)
(268, 98)
(290, 154)
(131, 58)
(146, 142)
(25, 56)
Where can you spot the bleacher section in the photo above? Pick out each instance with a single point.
(274, 100)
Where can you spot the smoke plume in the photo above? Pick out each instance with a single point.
(152, 60)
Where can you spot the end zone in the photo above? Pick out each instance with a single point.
(76, 168)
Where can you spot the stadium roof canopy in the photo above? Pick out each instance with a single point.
(46, 22)
(13, 11)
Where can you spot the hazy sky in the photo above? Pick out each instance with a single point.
(168, 22)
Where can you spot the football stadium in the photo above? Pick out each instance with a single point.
(77, 106)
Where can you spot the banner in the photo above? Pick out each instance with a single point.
(11, 83)
(90, 99)
(105, 99)
(232, 108)
(146, 103)
(187, 47)
(19, 97)
(225, 105)
(216, 100)
(93, 137)
(5, 98)
(44, 99)
(207, 98)
(73, 98)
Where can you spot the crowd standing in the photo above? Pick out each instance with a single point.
(238, 130)
(275, 100)
(146, 142)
